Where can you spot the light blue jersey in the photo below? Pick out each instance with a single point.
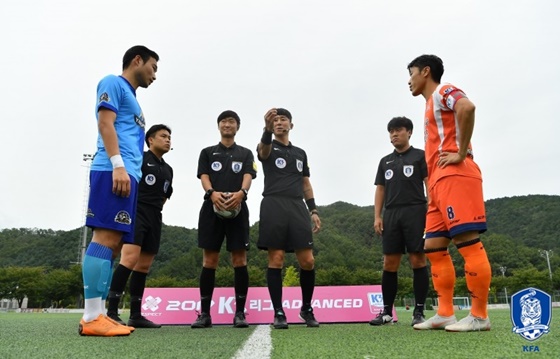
(116, 94)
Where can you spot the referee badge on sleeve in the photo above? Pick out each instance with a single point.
(299, 165)
(408, 170)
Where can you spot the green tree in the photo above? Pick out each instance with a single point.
(291, 277)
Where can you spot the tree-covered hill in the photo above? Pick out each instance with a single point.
(519, 229)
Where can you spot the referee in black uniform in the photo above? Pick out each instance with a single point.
(400, 182)
(226, 171)
(154, 189)
(285, 220)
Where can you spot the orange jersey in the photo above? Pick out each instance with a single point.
(441, 134)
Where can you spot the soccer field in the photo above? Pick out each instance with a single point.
(37, 335)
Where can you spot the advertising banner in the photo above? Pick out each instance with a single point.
(341, 304)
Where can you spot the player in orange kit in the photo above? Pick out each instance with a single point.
(456, 208)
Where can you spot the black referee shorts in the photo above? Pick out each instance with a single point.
(147, 228)
(284, 224)
(403, 229)
(212, 229)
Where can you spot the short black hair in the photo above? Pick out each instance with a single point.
(398, 122)
(433, 62)
(283, 112)
(229, 113)
(134, 51)
(153, 130)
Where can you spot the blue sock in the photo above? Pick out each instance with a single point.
(109, 279)
(96, 270)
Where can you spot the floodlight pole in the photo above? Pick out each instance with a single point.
(503, 270)
(87, 158)
(547, 254)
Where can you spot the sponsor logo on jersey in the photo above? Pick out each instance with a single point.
(150, 179)
(216, 166)
(123, 217)
(388, 174)
(140, 120)
(104, 97)
(236, 166)
(408, 170)
(280, 162)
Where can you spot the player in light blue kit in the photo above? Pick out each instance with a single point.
(115, 172)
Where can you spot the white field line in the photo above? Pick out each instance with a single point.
(257, 346)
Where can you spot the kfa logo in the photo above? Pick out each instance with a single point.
(151, 303)
(375, 302)
(531, 311)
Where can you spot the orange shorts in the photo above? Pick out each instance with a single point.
(456, 206)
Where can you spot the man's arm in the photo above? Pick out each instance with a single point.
(265, 146)
(106, 125)
(310, 201)
(464, 112)
(236, 198)
(427, 191)
(378, 207)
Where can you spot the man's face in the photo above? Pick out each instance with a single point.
(399, 137)
(228, 127)
(417, 80)
(146, 71)
(161, 141)
(282, 124)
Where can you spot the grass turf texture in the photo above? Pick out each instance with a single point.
(40, 335)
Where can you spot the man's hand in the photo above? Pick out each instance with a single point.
(449, 158)
(269, 120)
(316, 223)
(121, 182)
(234, 200)
(378, 226)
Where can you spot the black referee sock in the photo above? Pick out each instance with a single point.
(274, 281)
(307, 283)
(137, 285)
(389, 285)
(118, 283)
(241, 280)
(207, 283)
(420, 284)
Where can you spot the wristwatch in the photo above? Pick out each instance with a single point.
(208, 193)
(246, 192)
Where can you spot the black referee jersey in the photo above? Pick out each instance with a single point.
(226, 166)
(402, 175)
(156, 182)
(284, 170)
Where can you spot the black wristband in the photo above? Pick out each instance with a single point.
(208, 193)
(311, 204)
(266, 138)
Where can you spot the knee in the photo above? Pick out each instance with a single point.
(391, 263)
(417, 261)
(239, 258)
(307, 263)
(276, 260)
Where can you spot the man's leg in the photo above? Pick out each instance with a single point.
(96, 270)
(129, 257)
(207, 284)
(241, 284)
(307, 282)
(389, 285)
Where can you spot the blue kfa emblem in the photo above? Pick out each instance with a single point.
(531, 311)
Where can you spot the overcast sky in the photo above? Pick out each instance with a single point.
(338, 66)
